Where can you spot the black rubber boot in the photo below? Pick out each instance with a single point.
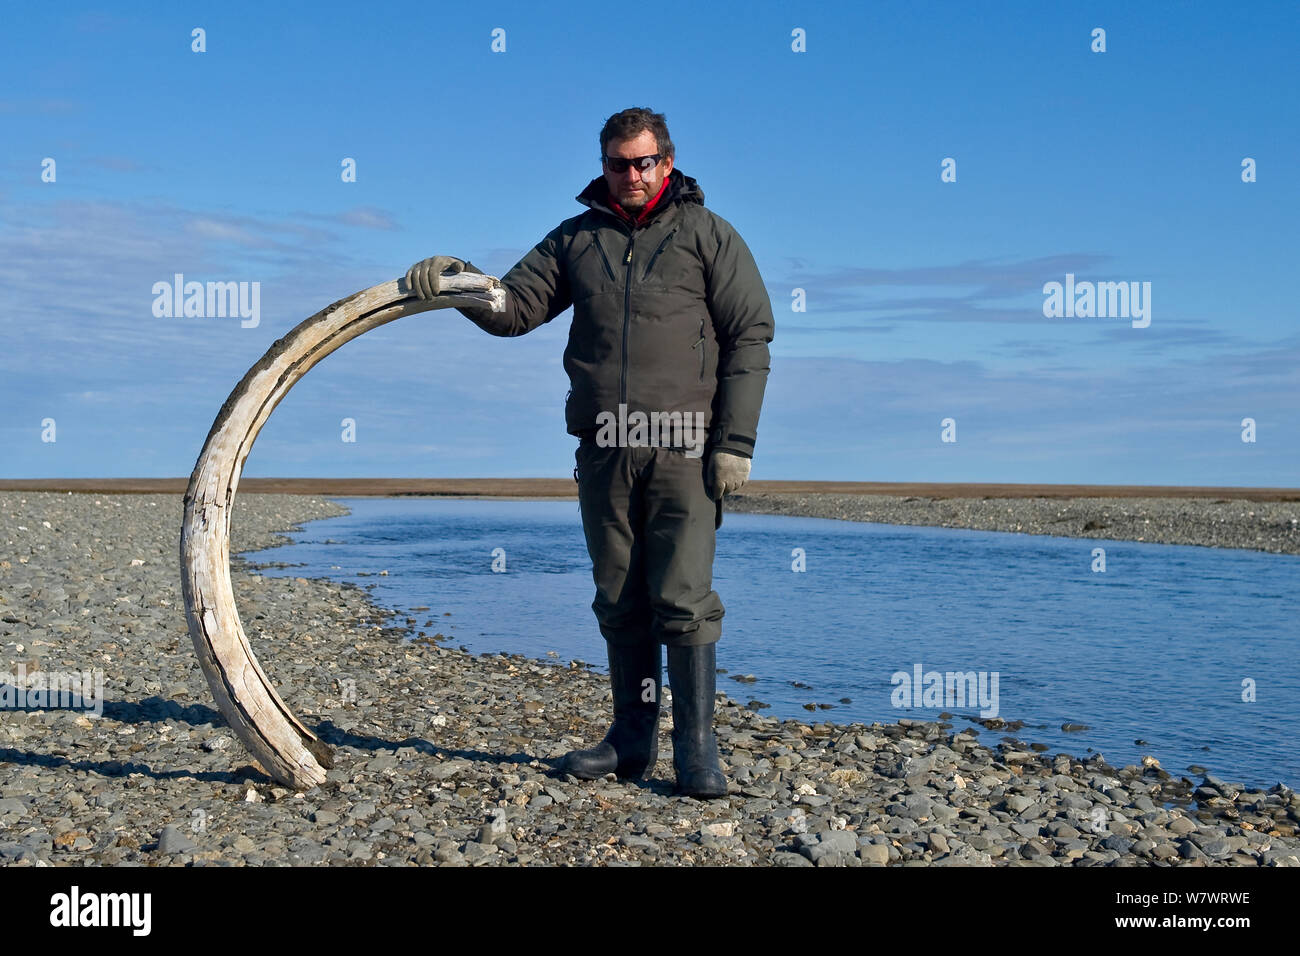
(692, 673)
(631, 747)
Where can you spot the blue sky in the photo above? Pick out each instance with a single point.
(924, 298)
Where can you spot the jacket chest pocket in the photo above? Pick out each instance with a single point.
(672, 265)
(590, 270)
(650, 263)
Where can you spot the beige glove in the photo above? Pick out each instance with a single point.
(727, 474)
(422, 278)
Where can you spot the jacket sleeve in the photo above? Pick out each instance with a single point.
(743, 322)
(537, 290)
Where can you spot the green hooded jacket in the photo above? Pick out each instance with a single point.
(669, 314)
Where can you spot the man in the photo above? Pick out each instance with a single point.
(671, 324)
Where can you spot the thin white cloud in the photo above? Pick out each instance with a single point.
(360, 217)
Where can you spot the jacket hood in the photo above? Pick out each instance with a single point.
(680, 188)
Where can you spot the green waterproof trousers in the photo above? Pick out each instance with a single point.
(651, 530)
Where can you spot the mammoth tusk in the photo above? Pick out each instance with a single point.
(288, 751)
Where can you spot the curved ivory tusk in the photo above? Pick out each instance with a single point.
(289, 752)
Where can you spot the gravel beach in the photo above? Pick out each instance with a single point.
(446, 758)
(1272, 526)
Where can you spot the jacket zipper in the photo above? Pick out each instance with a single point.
(700, 346)
(627, 308)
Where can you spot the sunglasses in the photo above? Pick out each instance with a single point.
(618, 164)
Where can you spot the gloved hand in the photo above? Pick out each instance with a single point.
(727, 474)
(423, 277)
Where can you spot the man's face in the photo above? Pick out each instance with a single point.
(632, 188)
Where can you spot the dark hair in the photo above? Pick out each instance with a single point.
(631, 123)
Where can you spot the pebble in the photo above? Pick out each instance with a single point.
(171, 840)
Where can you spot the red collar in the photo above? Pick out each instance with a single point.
(645, 211)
